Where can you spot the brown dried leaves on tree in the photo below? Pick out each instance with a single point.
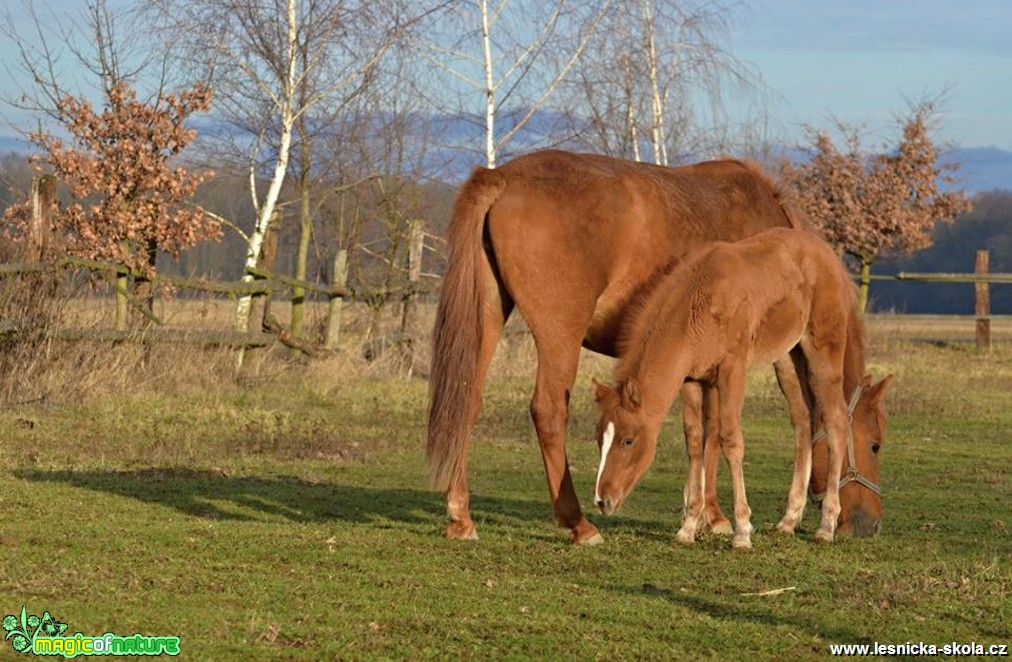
(870, 204)
(128, 191)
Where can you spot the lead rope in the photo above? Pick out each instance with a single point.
(852, 475)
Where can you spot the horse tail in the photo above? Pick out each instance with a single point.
(454, 391)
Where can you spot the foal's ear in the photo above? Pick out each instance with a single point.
(630, 394)
(601, 391)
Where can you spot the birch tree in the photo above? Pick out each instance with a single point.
(509, 55)
(654, 82)
(273, 66)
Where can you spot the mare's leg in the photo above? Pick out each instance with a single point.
(497, 311)
(714, 518)
(731, 392)
(826, 381)
(790, 373)
(558, 359)
(692, 425)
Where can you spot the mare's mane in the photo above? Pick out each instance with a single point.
(643, 320)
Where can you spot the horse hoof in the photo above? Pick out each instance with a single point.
(824, 537)
(743, 542)
(785, 529)
(596, 539)
(461, 531)
(723, 528)
(685, 538)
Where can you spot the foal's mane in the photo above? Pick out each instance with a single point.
(645, 320)
(854, 354)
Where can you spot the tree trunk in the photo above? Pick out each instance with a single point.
(862, 297)
(260, 307)
(287, 116)
(656, 106)
(336, 302)
(489, 87)
(305, 237)
(144, 290)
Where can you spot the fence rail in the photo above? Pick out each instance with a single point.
(263, 283)
(981, 278)
(260, 283)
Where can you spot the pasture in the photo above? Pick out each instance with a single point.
(284, 514)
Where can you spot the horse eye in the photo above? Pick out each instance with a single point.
(875, 446)
(628, 441)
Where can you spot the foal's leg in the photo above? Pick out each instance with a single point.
(731, 390)
(714, 518)
(790, 375)
(692, 424)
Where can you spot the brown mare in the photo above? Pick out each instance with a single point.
(726, 308)
(573, 241)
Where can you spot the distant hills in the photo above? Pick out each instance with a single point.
(983, 168)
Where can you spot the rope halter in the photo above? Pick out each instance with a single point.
(853, 475)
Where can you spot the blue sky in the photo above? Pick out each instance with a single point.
(860, 60)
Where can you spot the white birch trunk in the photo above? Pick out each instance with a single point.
(266, 210)
(489, 86)
(656, 105)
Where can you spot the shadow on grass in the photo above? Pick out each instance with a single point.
(211, 495)
(748, 611)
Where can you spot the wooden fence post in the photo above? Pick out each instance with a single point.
(336, 302)
(416, 244)
(43, 195)
(260, 308)
(122, 283)
(982, 301)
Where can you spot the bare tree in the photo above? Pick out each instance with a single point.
(508, 55)
(274, 65)
(81, 53)
(654, 82)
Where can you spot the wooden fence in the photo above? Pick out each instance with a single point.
(261, 284)
(264, 283)
(982, 279)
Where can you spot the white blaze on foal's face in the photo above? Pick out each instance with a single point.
(606, 440)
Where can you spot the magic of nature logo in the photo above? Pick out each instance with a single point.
(44, 635)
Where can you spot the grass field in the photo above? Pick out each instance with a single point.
(285, 515)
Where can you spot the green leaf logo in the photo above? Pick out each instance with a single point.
(22, 632)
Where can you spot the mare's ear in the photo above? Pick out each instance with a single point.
(601, 391)
(630, 394)
(878, 391)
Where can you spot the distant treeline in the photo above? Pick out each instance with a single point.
(987, 226)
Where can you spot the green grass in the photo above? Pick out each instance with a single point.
(288, 521)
